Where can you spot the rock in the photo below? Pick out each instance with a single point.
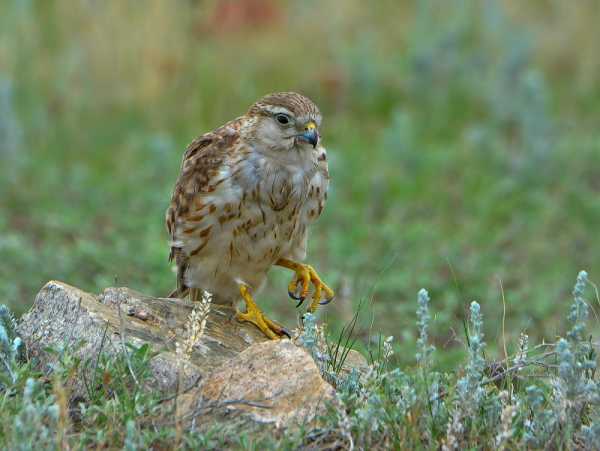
(63, 315)
(276, 382)
(231, 366)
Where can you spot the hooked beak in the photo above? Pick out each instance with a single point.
(310, 135)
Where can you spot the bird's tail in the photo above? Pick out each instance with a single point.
(178, 293)
(182, 289)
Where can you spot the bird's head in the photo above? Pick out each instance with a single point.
(285, 121)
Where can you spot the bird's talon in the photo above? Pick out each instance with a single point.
(255, 316)
(305, 276)
(285, 332)
(328, 299)
(293, 296)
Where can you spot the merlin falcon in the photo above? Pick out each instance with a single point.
(244, 200)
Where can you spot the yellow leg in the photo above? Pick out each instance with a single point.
(305, 274)
(255, 316)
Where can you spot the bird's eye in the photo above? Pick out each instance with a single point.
(282, 119)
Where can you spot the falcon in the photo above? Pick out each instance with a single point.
(244, 200)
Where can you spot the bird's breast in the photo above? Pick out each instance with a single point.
(275, 185)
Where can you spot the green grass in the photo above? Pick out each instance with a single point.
(462, 148)
(543, 396)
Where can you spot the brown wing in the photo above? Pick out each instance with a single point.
(201, 162)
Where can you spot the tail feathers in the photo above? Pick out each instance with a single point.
(194, 293)
(182, 289)
(179, 293)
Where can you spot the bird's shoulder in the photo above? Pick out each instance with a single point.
(200, 167)
(208, 152)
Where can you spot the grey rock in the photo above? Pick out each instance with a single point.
(232, 368)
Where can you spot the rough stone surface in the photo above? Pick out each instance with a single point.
(233, 366)
(63, 315)
(278, 382)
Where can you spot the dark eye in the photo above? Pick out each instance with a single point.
(282, 119)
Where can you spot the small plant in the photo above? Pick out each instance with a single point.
(470, 392)
(11, 348)
(312, 338)
(424, 349)
(559, 407)
(35, 426)
(551, 401)
(195, 325)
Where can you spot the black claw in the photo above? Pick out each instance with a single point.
(326, 301)
(300, 299)
(285, 332)
(293, 296)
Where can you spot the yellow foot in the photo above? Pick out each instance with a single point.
(254, 315)
(305, 274)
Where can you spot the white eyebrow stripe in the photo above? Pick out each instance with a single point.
(279, 109)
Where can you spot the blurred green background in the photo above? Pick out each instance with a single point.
(463, 141)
